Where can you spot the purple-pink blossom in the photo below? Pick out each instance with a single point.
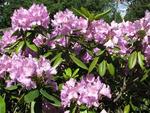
(7, 39)
(88, 91)
(25, 19)
(22, 70)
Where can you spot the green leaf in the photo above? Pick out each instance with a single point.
(31, 96)
(58, 55)
(57, 62)
(32, 107)
(111, 68)
(79, 13)
(55, 101)
(47, 54)
(78, 62)
(68, 72)
(102, 68)
(85, 12)
(2, 105)
(85, 111)
(33, 47)
(145, 75)
(93, 64)
(98, 16)
(127, 109)
(132, 60)
(75, 72)
(100, 52)
(91, 111)
(19, 46)
(141, 60)
(14, 87)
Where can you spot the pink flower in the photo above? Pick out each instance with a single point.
(7, 39)
(25, 19)
(39, 15)
(88, 91)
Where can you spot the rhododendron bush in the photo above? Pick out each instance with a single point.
(74, 64)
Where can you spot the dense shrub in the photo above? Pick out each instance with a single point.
(76, 64)
(8, 6)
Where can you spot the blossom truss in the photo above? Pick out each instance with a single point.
(116, 37)
(23, 70)
(88, 91)
(36, 15)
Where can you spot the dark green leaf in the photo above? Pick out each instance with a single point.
(127, 109)
(54, 100)
(31, 96)
(93, 64)
(111, 68)
(132, 60)
(2, 105)
(78, 62)
(102, 68)
(19, 46)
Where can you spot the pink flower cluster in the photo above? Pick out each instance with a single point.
(25, 19)
(7, 39)
(22, 70)
(116, 37)
(88, 91)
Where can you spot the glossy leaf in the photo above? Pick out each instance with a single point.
(31, 96)
(132, 60)
(54, 100)
(2, 105)
(78, 62)
(102, 68)
(93, 64)
(111, 68)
